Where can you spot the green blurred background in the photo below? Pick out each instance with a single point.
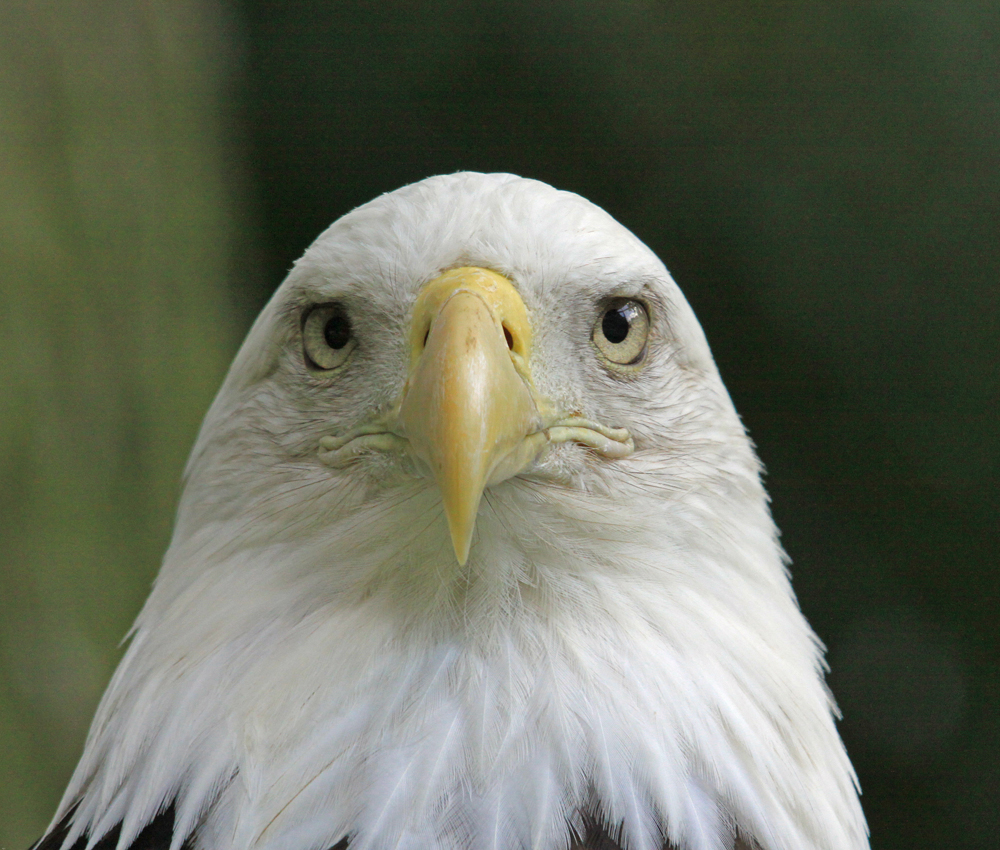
(822, 178)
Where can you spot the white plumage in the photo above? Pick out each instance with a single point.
(314, 662)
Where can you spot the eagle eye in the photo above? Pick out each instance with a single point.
(327, 336)
(621, 332)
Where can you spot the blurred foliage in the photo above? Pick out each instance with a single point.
(822, 178)
(115, 330)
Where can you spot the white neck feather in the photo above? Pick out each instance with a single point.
(666, 676)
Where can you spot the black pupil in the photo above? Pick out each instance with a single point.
(337, 330)
(615, 325)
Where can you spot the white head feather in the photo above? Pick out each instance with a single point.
(313, 662)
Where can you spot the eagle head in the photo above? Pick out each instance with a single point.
(472, 554)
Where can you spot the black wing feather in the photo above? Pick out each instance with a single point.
(158, 833)
(155, 836)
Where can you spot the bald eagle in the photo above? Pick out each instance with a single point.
(472, 554)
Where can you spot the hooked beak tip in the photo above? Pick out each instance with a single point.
(462, 549)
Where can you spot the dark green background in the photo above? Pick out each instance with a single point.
(822, 179)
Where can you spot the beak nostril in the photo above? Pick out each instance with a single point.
(427, 333)
(507, 336)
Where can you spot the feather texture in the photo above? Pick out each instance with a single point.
(623, 643)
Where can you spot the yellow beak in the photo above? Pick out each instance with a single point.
(468, 409)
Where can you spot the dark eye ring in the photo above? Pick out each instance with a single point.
(327, 336)
(621, 332)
